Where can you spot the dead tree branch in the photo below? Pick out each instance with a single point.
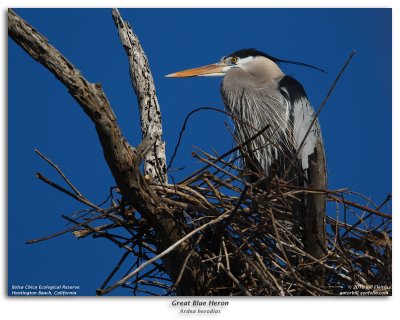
(150, 113)
(121, 157)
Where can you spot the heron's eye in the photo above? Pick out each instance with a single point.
(234, 60)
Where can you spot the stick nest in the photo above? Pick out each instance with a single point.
(246, 238)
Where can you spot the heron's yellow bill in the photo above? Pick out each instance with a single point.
(210, 70)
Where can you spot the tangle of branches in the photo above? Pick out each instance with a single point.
(242, 234)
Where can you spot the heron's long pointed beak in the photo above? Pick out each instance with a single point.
(211, 70)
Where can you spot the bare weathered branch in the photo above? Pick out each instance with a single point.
(143, 84)
(121, 157)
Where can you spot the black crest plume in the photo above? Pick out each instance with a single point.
(244, 53)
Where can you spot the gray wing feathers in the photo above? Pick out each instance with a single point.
(303, 116)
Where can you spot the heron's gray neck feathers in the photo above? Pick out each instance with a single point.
(257, 106)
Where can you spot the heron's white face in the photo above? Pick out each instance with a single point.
(236, 62)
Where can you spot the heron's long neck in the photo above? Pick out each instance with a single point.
(256, 102)
(256, 86)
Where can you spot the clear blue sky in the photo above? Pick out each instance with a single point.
(356, 122)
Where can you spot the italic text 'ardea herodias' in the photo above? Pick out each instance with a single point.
(256, 91)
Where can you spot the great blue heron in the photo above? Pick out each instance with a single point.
(256, 91)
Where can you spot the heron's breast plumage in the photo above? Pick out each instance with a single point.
(255, 106)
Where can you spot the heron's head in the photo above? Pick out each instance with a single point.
(244, 59)
(250, 60)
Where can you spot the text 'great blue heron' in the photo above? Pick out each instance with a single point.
(256, 91)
